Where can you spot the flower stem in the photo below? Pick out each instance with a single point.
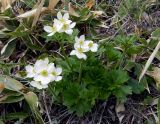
(65, 56)
(80, 72)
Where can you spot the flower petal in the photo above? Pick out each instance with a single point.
(29, 68)
(35, 84)
(73, 52)
(57, 24)
(94, 48)
(58, 78)
(59, 15)
(42, 79)
(51, 34)
(40, 65)
(76, 39)
(58, 71)
(81, 55)
(70, 31)
(66, 16)
(51, 67)
(72, 25)
(82, 37)
(48, 29)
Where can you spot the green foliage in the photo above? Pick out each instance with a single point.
(112, 71)
(61, 37)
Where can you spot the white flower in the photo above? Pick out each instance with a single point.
(57, 25)
(38, 85)
(79, 51)
(42, 71)
(80, 41)
(30, 71)
(55, 72)
(68, 28)
(68, 25)
(64, 18)
(92, 46)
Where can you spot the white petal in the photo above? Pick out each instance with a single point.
(81, 55)
(58, 78)
(68, 21)
(41, 65)
(59, 15)
(72, 25)
(46, 61)
(76, 39)
(36, 84)
(48, 29)
(70, 31)
(51, 34)
(50, 68)
(45, 80)
(29, 68)
(58, 71)
(94, 48)
(73, 52)
(53, 78)
(85, 48)
(44, 86)
(30, 75)
(66, 16)
(82, 37)
(76, 45)
(57, 24)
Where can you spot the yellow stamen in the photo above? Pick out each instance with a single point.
(44, 73)
(80, 50)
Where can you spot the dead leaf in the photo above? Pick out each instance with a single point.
(2, 86)
(97, 13)
(120, 108)
(90, 4)
(72, 10)
(30, 13)
(156, 75)
(149, 61)
(6, 4)
(52, 4)
(38, 12)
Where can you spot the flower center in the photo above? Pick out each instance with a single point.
(44, 73)
(54, 28)
(81, 42)
(65, 27)
(54, 73)
(90, 44)
(62, 20)
(80, 50)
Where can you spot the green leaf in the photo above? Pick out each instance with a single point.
(8, 96)
(8, 49)
(12, 99)
(158, 109)
(122, 92)
(136, 86)
(156, 34)
(11, 83)
(32, 101)
(16, 116)
(1, 122)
